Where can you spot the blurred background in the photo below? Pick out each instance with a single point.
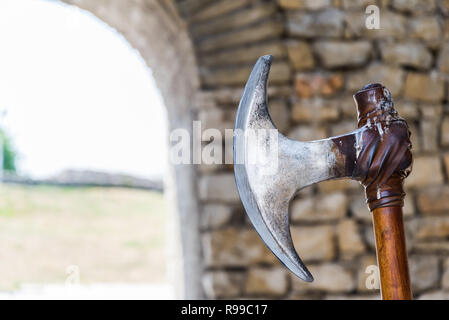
(89, 89)
(83, 136)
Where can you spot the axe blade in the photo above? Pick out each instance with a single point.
(266, 195)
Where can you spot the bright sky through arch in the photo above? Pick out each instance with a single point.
(77, 94)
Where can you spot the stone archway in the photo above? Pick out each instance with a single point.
(154, 28)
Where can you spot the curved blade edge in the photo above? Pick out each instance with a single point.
(251, 98)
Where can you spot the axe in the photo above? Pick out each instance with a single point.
(377, 154)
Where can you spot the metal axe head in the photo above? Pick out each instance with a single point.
(266, 194)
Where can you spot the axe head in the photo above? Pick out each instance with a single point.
(266, 188)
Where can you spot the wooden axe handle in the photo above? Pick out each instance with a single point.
(391, 253)
(383, 162)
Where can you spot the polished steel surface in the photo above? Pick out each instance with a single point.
(266, 188)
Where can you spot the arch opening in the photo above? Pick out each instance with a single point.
(172, 73)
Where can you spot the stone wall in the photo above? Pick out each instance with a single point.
(323, 54)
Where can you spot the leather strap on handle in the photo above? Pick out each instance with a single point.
(384, 160)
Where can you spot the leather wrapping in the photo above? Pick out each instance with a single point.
(384, 157)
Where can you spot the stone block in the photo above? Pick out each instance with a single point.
(359, 4)
(409, 54)
(334, 54)
(343, 127)
(393, 25)
(443, 6)
(425, 28)
(279, 113)
(366, 278)
(249, 54)
(424, 87)
(211, 118)
(352, 297)
(315, 109)
(359, 208)
(407, 109)
(368, 235)
(235, 248)
(233, 22)
(414, 6)
(189, 7)
(389, 76)
(305, 4)
(443, 59)
(267, 30)
(216, 9)
(300, 55)
(445, 132)
(415, 137)
(309, 85)
(279, 73)
(215, 215)
(218, 187)
(429, 134)
(426, 171)
(434, 246)
(431, 111)
(330, 277)
(445, 277)
(231, 96)
(309, 25)
(347, 106)
(322, 208)
(315, 243)
(267, 281)
(424, 271)
(446, 163)
(307, 133)
(429, 228)
(350, 242)
(223, 284)
(434, 295)
(409, 206)
(338, 185)
(433, 200)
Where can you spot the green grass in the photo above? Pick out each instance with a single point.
(23, 200)
(112, 234)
